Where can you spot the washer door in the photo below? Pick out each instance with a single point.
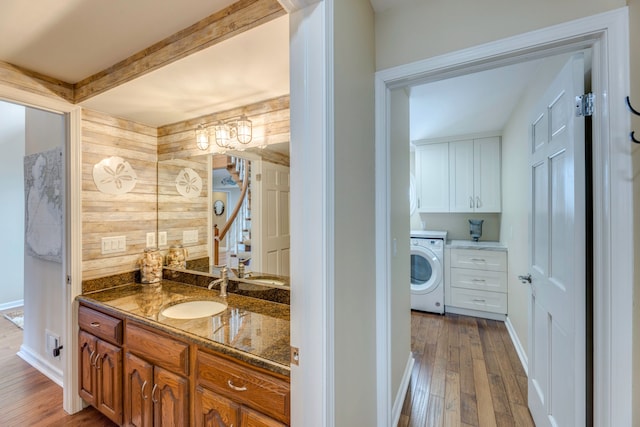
(426, 270)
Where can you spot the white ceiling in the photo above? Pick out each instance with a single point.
(473, 103)
(73, 39)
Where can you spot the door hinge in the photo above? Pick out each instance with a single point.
(584, 105)
(68, 280)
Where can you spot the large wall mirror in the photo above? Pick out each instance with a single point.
(201, 200)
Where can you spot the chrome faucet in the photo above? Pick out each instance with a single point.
(223, 281)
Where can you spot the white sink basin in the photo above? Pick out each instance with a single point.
(194, 309)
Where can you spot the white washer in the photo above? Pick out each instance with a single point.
(427, 270)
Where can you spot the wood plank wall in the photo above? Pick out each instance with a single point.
(176, 149)
(104, 215)
(177, 213)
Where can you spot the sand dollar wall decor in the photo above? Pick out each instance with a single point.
(188, 183)
(114, 175)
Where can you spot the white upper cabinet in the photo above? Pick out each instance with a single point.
(459, 176)
(474, 174)
(432, 177)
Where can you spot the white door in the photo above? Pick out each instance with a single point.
(557, 254)
(274, 230)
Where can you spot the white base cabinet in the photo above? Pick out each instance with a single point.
(477, 281)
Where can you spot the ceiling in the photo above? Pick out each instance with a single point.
(73, 39)
(472, 103)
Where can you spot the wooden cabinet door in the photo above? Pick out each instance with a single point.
(170, 399)
(487, 176)
(461, 198)
(212, 410)
(250, 418)
(108, 368)
(138, 386)
(432, 177)
(88, 386)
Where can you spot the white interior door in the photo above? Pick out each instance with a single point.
(557, 254)
(274, 229)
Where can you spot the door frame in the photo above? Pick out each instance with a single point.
(72, 268)
(607, 34)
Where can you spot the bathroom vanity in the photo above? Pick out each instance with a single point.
(140, 367)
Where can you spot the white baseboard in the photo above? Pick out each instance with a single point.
(11, 304)
(522, 354)
(475, 313)
(402, 391)
(35, 360)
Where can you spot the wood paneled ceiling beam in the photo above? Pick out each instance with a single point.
(235, 19)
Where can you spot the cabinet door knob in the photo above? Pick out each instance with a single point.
(234, 387)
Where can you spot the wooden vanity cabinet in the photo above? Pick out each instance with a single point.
(230, 390)
(156, 385)
(140, 376)
(100, 362)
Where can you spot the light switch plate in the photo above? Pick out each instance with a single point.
(151, 240)
(190, 236)
(112, 245)
(162, 238)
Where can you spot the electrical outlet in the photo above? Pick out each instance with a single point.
(52, 341)
(162, 238)
(151, 240)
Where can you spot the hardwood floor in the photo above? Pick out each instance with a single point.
(466, 373)
(28, 398)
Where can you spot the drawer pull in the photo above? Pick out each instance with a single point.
(95, 324)
(479, 300)
(144, 384)
(478, 280)
(153, 392)
(234, 387)
(478, 260)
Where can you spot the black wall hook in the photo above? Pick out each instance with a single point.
(633, 110)
(637, 113)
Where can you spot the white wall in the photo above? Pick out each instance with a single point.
(43, 280)
(419, 29)
(634, 49)
(515, 204)
(353, 207)
(12, 134)
(399, 227)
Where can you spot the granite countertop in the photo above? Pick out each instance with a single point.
(251, 330)
(470, 244)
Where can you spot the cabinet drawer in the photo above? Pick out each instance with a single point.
(482, 280)
(479, 259)
(259, 391)
(99, 324)
(158, 348)
(494, 302)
